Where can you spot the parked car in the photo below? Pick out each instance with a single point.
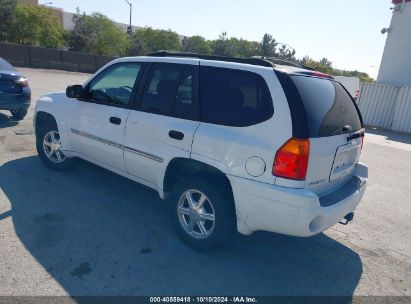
(232, 144)
(15, 94)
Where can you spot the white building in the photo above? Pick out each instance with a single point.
(395, 66)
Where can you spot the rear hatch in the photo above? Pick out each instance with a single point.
(335, 130)
(10, 80)
(8, 85)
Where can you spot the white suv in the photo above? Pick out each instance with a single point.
(233, 144)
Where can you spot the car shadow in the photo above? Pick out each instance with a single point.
(390, 135)
(97, 233)
(7, 121)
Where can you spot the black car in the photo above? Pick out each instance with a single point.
(15, 94)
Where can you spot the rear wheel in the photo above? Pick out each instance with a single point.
(48, 146)
(18, 114)
(203, 213)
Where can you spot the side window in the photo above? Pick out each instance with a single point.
(233, 97)
(169, 90)
(115, 84)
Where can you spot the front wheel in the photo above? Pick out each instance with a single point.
(203, 213)
(48, 145)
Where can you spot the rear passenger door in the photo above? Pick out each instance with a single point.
(163, 125)
(236, 131)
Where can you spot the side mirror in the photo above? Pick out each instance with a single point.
(75, 91)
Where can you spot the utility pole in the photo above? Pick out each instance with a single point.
(130, 28)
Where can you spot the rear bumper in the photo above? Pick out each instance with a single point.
(15, 102)
(296, 212)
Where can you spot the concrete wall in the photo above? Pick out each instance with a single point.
(67, 23)
(395, 66)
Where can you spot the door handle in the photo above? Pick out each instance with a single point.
(176, 135)
(115, 120)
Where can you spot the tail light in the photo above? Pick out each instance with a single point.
(291, 160)
(316, 74)
(24, 82)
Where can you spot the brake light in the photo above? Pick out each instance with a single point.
(316, 74)
(291, 160)
(321, 75)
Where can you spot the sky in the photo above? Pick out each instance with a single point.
(347, 32)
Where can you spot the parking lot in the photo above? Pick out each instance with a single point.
(91, 232)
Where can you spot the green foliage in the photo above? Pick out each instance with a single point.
(7, 17)
(285, 53)
(234, 47)
(35, 25)
(196, 44)
(364, 77)
(268, 46)
(148, 40)
(247, 49)
(96, 34)
(325, 66)
(315, 65)
(220, 46)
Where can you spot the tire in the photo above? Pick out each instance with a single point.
(218, 202)
(19, 114)
(56, 160)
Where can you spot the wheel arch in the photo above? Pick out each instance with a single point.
(41, 118)
(178, 168)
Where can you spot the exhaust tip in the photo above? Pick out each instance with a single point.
(348, 218)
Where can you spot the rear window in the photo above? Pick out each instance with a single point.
(233, 97)
(5, 66)
(329, 108)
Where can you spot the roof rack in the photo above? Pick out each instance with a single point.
(280, 61)
(253, 61)
(276, 60)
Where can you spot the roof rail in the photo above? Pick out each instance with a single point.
(253, 61)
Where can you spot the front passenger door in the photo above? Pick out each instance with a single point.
(97, 123)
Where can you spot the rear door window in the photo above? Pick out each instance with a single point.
(233, 97)
(329, 108)
(169, 91)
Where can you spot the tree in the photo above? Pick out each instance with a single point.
(247, 48)
(7, 17)
(326, 62)
(196, 44)
(35, 25)
(148, 40)
(268, 46)
(285, 53)
(315, 65)
(219, 46)
(96, 34)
